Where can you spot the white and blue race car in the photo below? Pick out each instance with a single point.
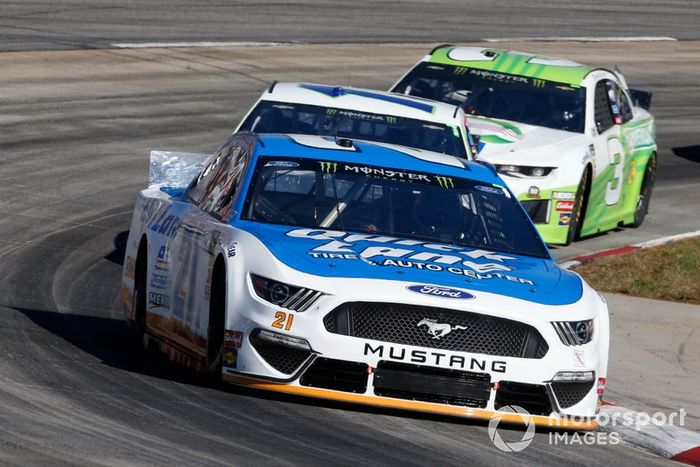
(358, 272)
(361, 114)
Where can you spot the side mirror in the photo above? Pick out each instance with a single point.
(641, 98)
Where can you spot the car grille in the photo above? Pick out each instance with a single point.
(429, 384)
(469, 332)
(531, 397)
(282, 358)
(570, 394)
(537, 210)
(339, 375)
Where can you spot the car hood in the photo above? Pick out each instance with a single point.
(354, 255)
(506, 142)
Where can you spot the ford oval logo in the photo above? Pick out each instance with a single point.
(437, 291)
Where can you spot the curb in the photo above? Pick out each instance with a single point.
(666, 440)
(573, 263)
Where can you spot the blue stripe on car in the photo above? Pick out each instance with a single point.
(340, 91)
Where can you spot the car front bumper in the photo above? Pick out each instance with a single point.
(395, 375)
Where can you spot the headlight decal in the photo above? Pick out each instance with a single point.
(574, 332)
(523, 171)
(284, 295)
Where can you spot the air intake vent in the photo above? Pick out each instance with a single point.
(418, 326)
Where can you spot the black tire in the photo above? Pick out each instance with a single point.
(645, 192)
(137, 324)
(580, 205)
(217, 317)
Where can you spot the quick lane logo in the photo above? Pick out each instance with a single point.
(329, 167)
(391, 120)
(460, 70)
(434, 358)
(166, 224)
(445, 182)
(538, 83)
(331, 111)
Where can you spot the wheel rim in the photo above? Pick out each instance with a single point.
(647, 187)
(578, 207)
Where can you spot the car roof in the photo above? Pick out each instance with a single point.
(507, 61)
(362, 100)
(326, 148)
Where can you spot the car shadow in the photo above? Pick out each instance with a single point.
(690, 153)
(108, 340)
(117, 255)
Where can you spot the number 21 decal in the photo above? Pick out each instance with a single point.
(283, 320)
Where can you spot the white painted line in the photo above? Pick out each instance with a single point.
(583, 39)
(575, 262)
(663, 240)
(151, 45)
(570, 264)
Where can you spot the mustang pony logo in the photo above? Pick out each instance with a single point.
(439, 330)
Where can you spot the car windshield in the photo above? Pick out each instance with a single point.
(395, 202)
(279, 117)
(499, 95)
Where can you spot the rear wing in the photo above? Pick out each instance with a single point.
(174, 169)
(641, 98)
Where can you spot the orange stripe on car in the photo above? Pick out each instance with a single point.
(410, 405)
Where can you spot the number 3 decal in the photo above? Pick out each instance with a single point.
(613, 190)
(283, 320)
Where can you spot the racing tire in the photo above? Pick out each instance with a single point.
(137, 324)
(580, 205)
(217, 317)
(645, 192)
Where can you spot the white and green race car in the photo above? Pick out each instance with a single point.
(574, 143)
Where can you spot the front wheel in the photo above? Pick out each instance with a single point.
(217, 317)
(645, 192)
(579, 210)
(137, 324)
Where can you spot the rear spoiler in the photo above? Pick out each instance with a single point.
(641, 98)
(174, 169)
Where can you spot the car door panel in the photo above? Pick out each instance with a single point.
(605, 203)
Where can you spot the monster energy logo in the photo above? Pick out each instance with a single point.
(391, 120)
(538, 83)
(331, 111)
(445, 182)
(329, 167)
(460, 70)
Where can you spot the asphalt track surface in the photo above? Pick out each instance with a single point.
(81, 24)
(76, 128)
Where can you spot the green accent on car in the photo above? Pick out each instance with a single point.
(552, 233)
(638, 146)
(599, 216)
(517, 64)
(492, 137)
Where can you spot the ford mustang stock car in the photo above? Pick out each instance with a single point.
(360, 114)
(361, 272)
(573, 142)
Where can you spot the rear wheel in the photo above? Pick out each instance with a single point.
(137, 325)
(645, 192)
(217, 317)
(580, 204)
